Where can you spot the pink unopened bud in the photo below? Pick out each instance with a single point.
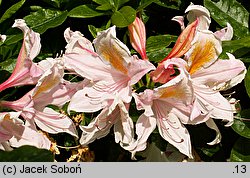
(137, 34)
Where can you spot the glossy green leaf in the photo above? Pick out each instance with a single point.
(44, 19)
(93, 30)
(157, 46)
(237, 47)
(173, 4)
(9, 12)
(159, 42)
(8, 65)
(12, 39)
(26, 154)
(125, 16)
(247, 82)
(118, 3)
(144, 4)
(242, 126)
(158, 55)
(104, 7)
(55, 3)
(101, 2)
(230, 11)
(84, 11)
(241, 150)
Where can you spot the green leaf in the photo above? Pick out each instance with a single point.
(173, 4)
(9, 12)
(12, 39)
(159, 42)
(233, 46)
(101, 2)
(158, 55)
(55, 3)
(156, 46)
(211, 150)
(44, 19)
(230, 11)
(241, 150)
(84, 11)
(26, 154)
(247, 81)
(125, 16)
(8, 65)
(242, 126)
(118, 3)
(93, 30)
(144, 4)
(104, 7)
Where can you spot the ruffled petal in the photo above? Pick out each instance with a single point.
(211, 124)
(171, 129)
(53, 122)
(222, 74)
(201, 13)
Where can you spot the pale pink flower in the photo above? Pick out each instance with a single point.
(163, 106)
(111, 72)
(25, 72)
(50, 89)
(14, 133)
(137, 35)
(116, 115)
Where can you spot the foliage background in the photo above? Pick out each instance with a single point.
(51, 17)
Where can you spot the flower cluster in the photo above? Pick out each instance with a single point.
(187, 85)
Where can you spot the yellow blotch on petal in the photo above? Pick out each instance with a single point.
(114, 56)
(202, 54)
(172, 92)
(47, 84)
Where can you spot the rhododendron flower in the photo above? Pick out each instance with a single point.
(25, 72)
(14, 133)
(114, 114)
(162, 107)
(137, 35)
(112, 72)
(50, 89)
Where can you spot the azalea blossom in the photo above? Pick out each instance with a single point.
(14, 133)
(163, 106)
(25, 72)
(207, 73)
(112, 72)
(137, 36)
(56, 91)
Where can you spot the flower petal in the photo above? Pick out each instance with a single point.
(225, 34)
(213, 102)
(211, 124)
(221, 74)
(204, 51)
(112, 50)
(137, 35)
(183, 42)
(25, 72)
(54, 122)
(175, 133)
(200, 12)
(77, 43)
